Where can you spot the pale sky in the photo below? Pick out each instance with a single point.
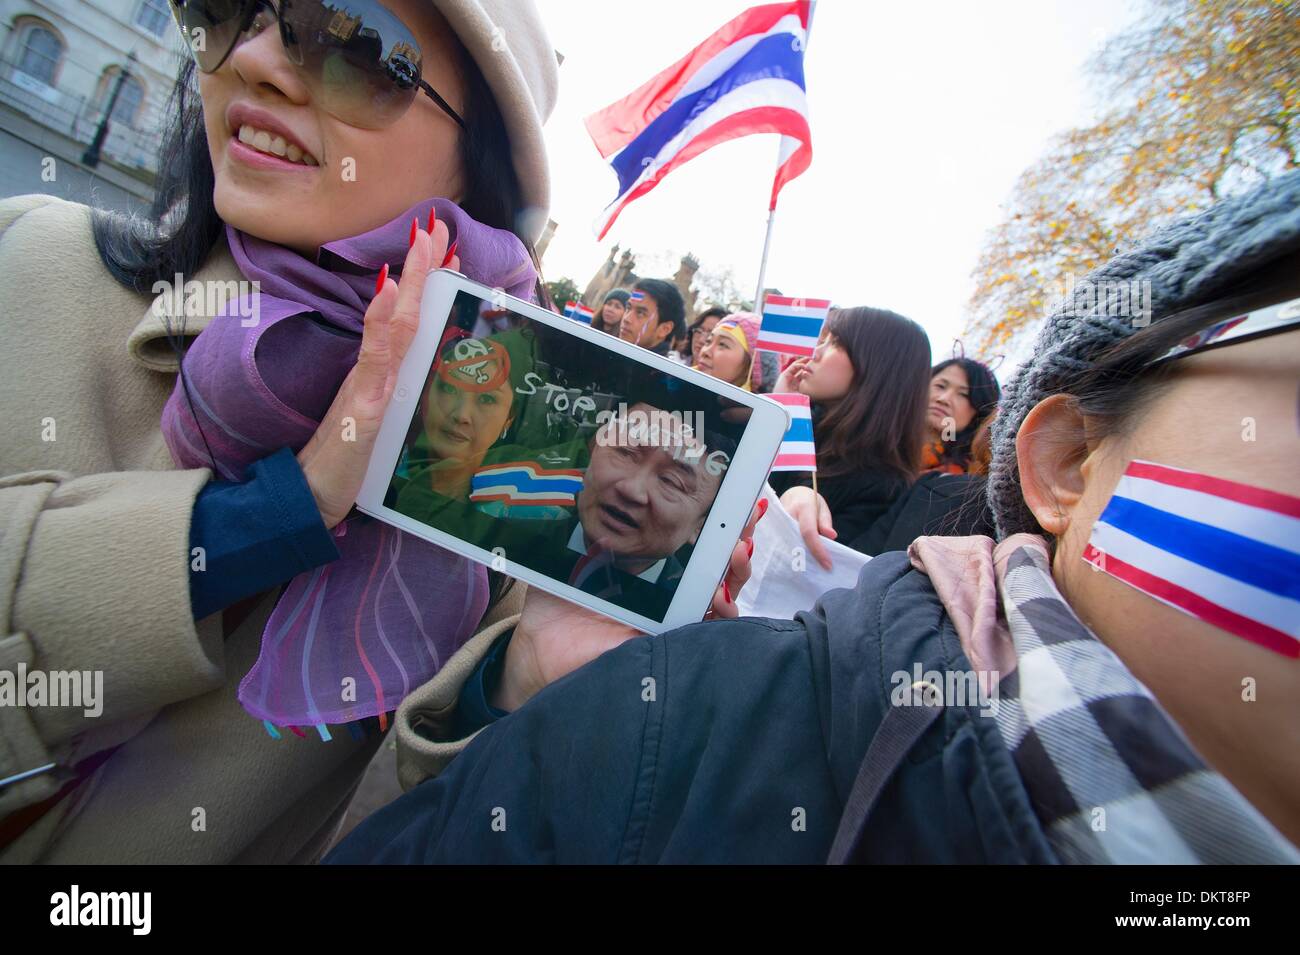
(922, 114)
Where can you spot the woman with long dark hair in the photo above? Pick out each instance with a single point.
(190, 536)
(963, 393)
(867, 380)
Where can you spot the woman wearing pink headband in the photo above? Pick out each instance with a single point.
(729, 353)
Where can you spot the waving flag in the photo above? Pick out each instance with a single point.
(578, 311)
(745, 78)
(1223, 551)
(792, 325)
(797, 452)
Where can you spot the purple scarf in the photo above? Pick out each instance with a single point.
(352, 638)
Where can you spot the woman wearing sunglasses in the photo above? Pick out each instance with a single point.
(186, 540)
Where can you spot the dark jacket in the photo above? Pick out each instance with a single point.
(856, 500)
(729, 741)
(937, 505)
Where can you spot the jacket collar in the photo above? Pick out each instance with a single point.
(152, 342)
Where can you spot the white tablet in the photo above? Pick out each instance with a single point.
(582, 464)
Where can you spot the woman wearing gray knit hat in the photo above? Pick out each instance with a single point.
(1117, 679)
(609, 317)
(190, 538)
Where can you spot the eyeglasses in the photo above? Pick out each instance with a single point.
(359, 61)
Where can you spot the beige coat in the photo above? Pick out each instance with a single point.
(94, 575)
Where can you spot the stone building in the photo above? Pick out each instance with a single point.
(619, 272)
(60, 61)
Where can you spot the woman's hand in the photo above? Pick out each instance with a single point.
(809, 510)
(795, 372)
(334, 461)
(554, 637)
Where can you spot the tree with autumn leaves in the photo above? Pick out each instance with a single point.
(1203, 100)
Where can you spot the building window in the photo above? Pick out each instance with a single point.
(41, 53)
(153, 16)
(127, 107)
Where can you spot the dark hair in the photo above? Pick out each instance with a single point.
(879, 425)
(669, 301)
(717, 311)
(984, 396)
(182, 225)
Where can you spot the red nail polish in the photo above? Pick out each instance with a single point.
(433, 217)
(451, 250)
(726, 592)
(749, 544)
(415, 224)
(383, 277)
(762, 508)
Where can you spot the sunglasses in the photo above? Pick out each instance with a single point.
(359, 61)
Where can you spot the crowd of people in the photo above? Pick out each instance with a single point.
(1075, 639)
(893, 434)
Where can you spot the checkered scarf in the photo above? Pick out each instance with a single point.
(1110, 776)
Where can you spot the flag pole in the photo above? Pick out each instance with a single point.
(762, 266)
(767, 239)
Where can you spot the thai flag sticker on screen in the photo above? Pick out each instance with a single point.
(577, 310)
(797, 452)
(524, 482)
(792, 325)
(1225, 552)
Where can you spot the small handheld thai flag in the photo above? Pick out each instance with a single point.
(797, 452)
(792, 325)
(578, 311)
(1225, 552)
(525, 483)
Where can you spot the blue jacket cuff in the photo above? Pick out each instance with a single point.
(473, 711)
(255, 534)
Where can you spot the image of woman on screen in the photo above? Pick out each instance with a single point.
(468, 405)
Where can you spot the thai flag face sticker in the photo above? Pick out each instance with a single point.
(1224, 552)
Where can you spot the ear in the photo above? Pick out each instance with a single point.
(1051, 447)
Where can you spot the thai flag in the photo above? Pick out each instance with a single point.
(745, 78)
(1225, 552)
(792, 325)
(797, 452)
(524, 482)
(578, 311)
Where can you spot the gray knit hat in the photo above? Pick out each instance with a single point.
(1186, 264)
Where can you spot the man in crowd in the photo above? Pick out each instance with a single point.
(655, 315)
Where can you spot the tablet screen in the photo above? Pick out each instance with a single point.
(563, 456)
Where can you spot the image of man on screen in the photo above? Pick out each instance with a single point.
(646, 492)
